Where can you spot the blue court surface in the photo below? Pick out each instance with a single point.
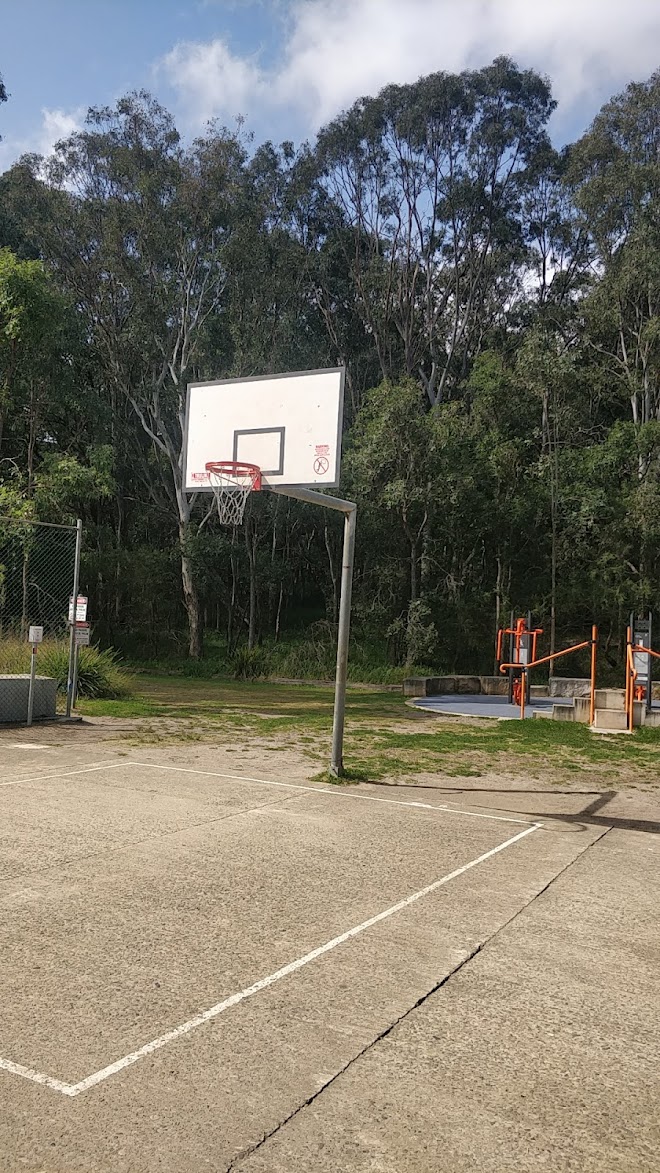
(494, 707)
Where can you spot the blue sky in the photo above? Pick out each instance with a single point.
(290, 65)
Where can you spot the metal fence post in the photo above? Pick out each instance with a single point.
(33, 673)
(73, 648)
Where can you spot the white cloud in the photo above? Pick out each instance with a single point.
(337, 50)
(55, 125)
(214, 82)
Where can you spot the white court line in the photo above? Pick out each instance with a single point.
(333, 793)
(36, 1076)
(74, 1089)
(337, 793)
(31, 745)
(66, 773)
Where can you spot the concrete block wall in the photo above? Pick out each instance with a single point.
(448, 685)
(14, 698)
(569, 686)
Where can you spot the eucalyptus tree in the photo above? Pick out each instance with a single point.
(615, 177)
(3, 94)
(615, 173)
(136, 226)
(557, 267)
(428, 180)
(272, 322)
(39, 343)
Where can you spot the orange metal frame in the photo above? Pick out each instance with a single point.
(631, 675)
(592, 643)
(519, 632)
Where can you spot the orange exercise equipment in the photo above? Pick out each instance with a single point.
(521, 665)
(522, 650)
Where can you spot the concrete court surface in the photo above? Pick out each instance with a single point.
(207, 972)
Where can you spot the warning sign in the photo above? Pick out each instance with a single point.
(82, 635)
(321, 461)
(81, 609)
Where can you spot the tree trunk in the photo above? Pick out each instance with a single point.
(251, 541)
(414, 578)
(232, 605)
(24, 588)
(190, 596)
(498, 609)
(333, 575)
(425, 560)
(553, 596)
(32, 440)
(119, 538)
(278, 617)
(554, 505)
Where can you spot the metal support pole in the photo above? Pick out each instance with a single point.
(511, 650)
(630, 681)
(592, 688)
(649, 691)
(73, 651)
(343, 633)
(33, 673)
(74, 678)
(349, 509)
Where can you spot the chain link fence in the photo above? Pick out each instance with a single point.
(39, 566)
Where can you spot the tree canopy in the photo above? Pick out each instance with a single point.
(496, 304)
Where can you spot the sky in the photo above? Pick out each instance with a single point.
(288, 66)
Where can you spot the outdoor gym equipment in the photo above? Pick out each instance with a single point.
(639, 665)
(522, 650)
(523, 668)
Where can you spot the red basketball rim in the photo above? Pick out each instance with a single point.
(236, 470)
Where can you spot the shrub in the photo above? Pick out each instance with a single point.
(250, 663)
(100, 675)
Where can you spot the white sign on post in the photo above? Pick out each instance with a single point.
(81, 609)
(36, 635)
(82, 631)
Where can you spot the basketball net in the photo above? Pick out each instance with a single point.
(231, 483)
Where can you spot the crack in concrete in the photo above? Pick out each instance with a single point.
(249, 1150)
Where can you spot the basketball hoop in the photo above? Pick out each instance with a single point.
(232, 482)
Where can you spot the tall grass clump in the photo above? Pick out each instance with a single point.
(100, 674)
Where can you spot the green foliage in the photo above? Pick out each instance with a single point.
(497, 307)
(288, 659)
(101, 674)
(249, 663)
(421, 633)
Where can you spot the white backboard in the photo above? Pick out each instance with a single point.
(289, 425)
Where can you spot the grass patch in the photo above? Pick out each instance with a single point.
(384, 737)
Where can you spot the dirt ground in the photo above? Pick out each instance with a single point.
(210, 960)
(305, 757)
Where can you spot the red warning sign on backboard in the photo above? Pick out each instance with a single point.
(322, 459)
